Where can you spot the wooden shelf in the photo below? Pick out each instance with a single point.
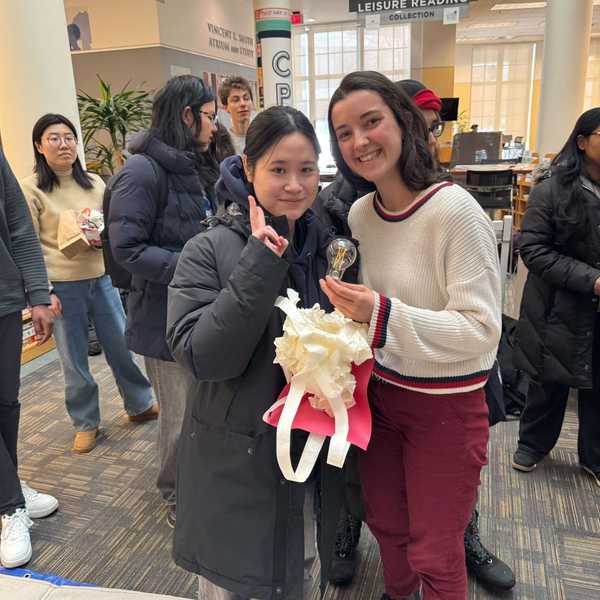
(524, 185)
(33, 350)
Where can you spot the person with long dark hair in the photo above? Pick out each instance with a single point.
(82, 291)
(430, 295)
(558, 331)
(332, 207)
(161, 197)
(221, 146)
(239, 523)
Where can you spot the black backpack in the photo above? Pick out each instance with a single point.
(515, 382)
(121, 277)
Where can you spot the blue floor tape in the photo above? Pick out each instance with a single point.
(54, 579)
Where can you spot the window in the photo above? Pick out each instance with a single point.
(501, 88)
(337, 50)
(592, 82)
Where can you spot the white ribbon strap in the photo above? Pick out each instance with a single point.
(338, 444)
(284, 435)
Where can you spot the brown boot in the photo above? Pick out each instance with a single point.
(85, 441)
(148, 415)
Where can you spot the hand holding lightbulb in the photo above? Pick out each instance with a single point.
(354, 301)
(265, 233)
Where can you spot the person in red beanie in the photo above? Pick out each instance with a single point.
(332, 206)
(431, 107)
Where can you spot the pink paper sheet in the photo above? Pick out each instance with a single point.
(316, 421)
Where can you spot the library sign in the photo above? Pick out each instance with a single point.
(371, 20)
(375, 6)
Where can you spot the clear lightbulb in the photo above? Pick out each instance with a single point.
(341, 254)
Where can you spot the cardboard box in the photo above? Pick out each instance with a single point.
(71, 240)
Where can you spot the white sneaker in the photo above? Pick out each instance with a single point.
(38, 505)
(15, 543)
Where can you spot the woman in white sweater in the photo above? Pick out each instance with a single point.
(81, 289)
(430, 294)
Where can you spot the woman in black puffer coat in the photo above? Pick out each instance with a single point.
(559, 327)
(239, 522)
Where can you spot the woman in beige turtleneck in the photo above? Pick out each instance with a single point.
(81, 290)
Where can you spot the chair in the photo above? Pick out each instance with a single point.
(491, 187)
(503, 231)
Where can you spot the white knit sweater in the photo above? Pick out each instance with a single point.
(434, 268)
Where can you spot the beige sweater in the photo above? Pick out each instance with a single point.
(434, 266)
(45, 210)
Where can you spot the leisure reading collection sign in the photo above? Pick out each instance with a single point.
(361, 6)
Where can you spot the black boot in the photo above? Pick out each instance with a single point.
(343, 565)
(487, 568)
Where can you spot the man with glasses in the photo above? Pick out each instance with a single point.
(158, 201)
(236, 98)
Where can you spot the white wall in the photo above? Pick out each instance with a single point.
(184, 24)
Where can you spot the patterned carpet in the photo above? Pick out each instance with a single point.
(111, 530)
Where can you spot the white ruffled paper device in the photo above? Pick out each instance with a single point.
(317, 352)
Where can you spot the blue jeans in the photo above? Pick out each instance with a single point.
(98, 300)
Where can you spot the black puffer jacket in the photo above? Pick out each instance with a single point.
(239, 523)
(558, 310)
(147, 234)
(333, 205)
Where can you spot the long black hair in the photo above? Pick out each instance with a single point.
(271, 125)
(568, 166)
(221, 145)
(46, 177)
(415, 165)
(167, 125)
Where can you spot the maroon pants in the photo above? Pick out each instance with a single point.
(420, 475)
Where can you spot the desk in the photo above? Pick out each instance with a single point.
(517, 169)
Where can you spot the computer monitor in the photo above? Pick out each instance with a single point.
(449, 110)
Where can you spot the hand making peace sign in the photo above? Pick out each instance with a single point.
(265, 233)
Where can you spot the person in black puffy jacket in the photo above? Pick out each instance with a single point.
(159, 201)
(559, 328)
(241, 526)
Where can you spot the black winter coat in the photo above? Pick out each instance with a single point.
(333, 205)
(147, 236)
(556, 325)
(239, 522)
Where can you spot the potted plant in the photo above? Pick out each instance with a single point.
(106, 121)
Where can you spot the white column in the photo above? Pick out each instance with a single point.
(566, 49)
(274, 34)
(36, 74)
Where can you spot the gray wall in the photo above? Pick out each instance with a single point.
(199, 64)
(141, 67)
(146, 68)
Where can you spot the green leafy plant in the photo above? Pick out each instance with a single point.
(106, 121)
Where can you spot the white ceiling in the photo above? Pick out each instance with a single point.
(482, 24)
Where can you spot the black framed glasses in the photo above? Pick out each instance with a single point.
(437, 128)
(213, 118)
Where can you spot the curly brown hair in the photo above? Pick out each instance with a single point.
(234, 83)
